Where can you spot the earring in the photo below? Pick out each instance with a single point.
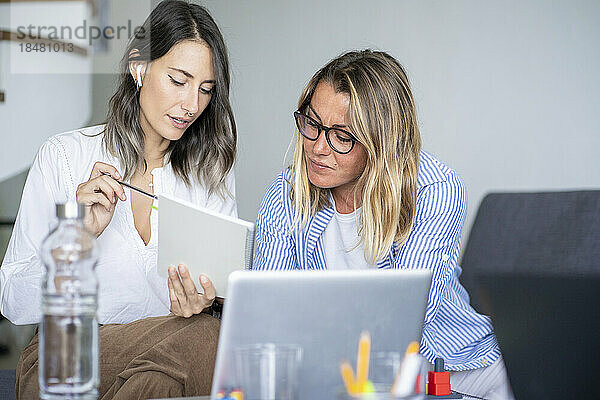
(139, 76)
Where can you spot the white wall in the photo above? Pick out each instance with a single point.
(508, 92)
(46, 93)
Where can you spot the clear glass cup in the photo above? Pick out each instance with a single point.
(383, 368)
(268, 371)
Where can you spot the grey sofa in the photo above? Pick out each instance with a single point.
(532, 262)
(545, 233)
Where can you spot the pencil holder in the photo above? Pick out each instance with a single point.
(383, 371)
(383, 367)
(268, 371)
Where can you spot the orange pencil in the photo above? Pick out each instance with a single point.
(348, 377)
(362, 361)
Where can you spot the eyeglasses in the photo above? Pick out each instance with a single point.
(338, 139)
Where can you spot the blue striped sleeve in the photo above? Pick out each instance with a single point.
(434, 241)
(275, 249)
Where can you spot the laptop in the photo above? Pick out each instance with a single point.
(324, 312)
(548, 329)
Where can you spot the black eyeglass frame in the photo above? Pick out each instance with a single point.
(321, 128)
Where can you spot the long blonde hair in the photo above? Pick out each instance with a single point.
(382, 116)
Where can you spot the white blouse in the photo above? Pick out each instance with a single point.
(129, 285)
(341, 242)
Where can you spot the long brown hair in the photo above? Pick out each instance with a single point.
(382, 116)
(207, 149)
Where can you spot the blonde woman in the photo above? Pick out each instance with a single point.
(361, 194)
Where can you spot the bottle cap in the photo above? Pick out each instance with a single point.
(70, 210)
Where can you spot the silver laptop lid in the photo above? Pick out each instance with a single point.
(324, 312)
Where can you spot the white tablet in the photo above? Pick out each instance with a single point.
(207, 242)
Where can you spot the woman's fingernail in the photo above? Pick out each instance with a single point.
(172, 271)
(203, 279)
(182, 268)
(117, 175)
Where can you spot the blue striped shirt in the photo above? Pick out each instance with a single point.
(453, 329)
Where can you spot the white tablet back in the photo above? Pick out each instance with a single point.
(207, 242)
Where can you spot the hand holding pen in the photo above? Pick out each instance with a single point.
(135, 189)
(100, 194)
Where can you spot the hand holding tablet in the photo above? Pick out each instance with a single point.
(185, 299)
(207, 243)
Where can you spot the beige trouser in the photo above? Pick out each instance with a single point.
(150, 358)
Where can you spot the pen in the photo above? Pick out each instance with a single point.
(137, 189)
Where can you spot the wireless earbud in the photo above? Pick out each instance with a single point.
(139, 75)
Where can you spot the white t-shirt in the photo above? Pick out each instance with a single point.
(341, 242)
(129, 285)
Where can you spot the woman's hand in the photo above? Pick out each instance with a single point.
(185, 299)
(99, 194)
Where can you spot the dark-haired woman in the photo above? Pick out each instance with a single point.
(169, 130)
